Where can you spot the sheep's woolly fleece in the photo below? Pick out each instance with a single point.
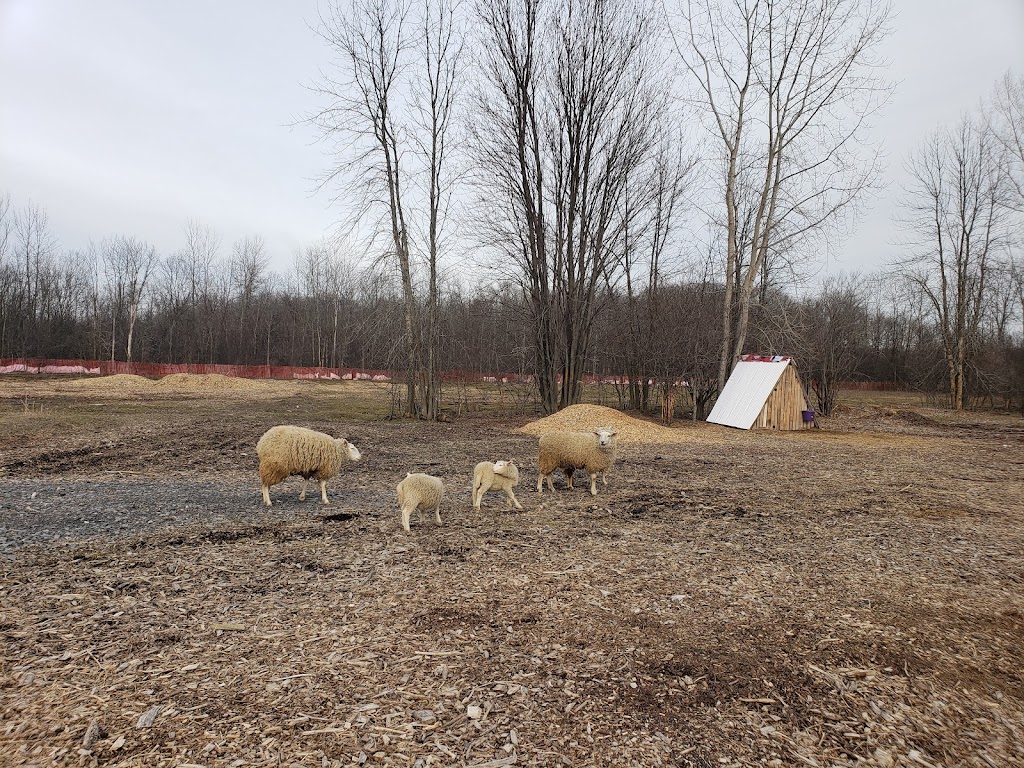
(420, 491)
(577, 418)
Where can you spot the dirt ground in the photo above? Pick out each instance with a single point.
(846, 596)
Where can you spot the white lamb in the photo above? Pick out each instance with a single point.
(419, 492)
(287, 450)
(500, 476)
(569, 451)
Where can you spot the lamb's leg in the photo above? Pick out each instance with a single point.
(323, 491)
(266, 495)
(540, 482)
(551, 486)
(437, 513)
(478, 495)
(406, 512)
(512, 499)
(568, 477)
(604, 477)
(302, 493)
(593, 483)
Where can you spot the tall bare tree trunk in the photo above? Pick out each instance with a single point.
(773, 63)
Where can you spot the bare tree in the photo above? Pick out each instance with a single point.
(325, 282)
(172, 291)
(383, 56)
(8, 275)
(247, 269)
(507, 143)
(6, 224)
(128, 264)
(568, 110)
(442, 52)
(373, 40)
(1007, 121)
(788, 87)
(834, 332)
(957, 209)
(651, 210)
(207, 288)
(34, 245)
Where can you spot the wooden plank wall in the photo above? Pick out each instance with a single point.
(784, 407)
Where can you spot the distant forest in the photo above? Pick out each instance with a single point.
(197, 306)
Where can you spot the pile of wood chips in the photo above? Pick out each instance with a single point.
(583, 418)
(175, 384)
(117, 383)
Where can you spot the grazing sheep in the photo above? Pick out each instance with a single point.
(419, 491)
(501, 476)
(592, 451)
(287, 450)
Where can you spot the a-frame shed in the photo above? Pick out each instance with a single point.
(763, 391)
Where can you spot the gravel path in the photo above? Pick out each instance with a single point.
(59, 511)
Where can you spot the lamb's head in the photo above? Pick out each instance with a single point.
(605, 437)
(507, 469)
(345, 447)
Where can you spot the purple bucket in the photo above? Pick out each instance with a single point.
(808, 416)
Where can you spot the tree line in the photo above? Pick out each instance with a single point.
(207, 303)
(644, 187)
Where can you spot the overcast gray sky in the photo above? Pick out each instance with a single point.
(129, 117)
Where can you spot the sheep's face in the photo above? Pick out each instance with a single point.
(512, 472)
(346, 447)
(506, 469)
(605, 437)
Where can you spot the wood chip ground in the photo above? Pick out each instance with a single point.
(849, 596)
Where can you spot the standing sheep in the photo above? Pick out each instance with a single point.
(569, 451)
(422, 492)
(501, 476)
(287, 450)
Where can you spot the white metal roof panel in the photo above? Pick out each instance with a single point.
(746, 392)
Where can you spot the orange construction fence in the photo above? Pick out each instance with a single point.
(156, 370)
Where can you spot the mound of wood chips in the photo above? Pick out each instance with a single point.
(205, 381)
(582, 417)
(121, 382)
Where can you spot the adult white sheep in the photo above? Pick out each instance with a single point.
(286, 450)
(569, 451)
(419, 492)
(499, 476)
